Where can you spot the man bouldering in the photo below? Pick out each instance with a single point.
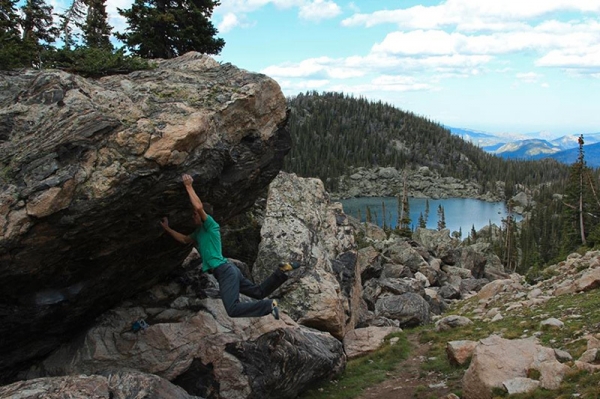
(207, 239)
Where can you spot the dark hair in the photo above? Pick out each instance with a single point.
(208, 208)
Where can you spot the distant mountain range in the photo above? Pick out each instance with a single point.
(532, 146)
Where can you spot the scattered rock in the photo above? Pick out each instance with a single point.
(460, 352)
(552, 323)
(452, 321)
(362, 341)
(520, 385)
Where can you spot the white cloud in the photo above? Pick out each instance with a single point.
(441, 42)
(417, 17)
(353, 7)
(306, 68)
(315, 68)
(419, 42)
(387, 73)
(399, 83)
(545, 85)
(455, 63)
(247, 6)
(572, 58)
(311, 10)
(230, 21)
(528, 77)
(378, 88)
(470, 14)
(319, 9)
(296, 86)
(344, 73)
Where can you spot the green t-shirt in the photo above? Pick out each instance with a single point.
(208, 243)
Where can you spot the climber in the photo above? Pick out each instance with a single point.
(207, 239)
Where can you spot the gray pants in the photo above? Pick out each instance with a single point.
(232, 282)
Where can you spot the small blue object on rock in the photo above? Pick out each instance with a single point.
(139, 325)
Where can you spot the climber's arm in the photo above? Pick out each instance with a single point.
(182, 238)
(194, 199)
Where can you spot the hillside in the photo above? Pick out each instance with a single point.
(536, 149)
(332, 132)
(526, 149)
(592, 155)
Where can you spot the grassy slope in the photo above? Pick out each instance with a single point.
(579, 313)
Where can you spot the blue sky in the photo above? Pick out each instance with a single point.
(493, 65)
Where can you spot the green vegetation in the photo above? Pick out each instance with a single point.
(579, 312)
(94, 62)
(167, 29)
(365, 371)
(156, 29)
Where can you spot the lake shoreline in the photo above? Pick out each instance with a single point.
(420, 183)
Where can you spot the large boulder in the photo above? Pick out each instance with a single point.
(497, 360)
(89, 166)
(375, 289)
(118, 384)
(409, 309)
(482, 261)
(401, 252)
(439, 242)
(302, 224)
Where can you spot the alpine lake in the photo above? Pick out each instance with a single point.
(461, 214)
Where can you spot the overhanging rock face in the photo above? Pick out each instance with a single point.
(88, 167)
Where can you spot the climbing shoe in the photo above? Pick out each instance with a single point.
(288, 266)
(275, 310)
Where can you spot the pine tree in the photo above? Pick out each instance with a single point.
(441, 224)
(509, 252)
(38, 29)
(422, 222)
(404, 228)
(582, 208)
(71, 19)
(404, 220)
(167, 29)
(96, 30)
(10, 41)
(9, 19)
(37, 22)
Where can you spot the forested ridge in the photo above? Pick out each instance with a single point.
(332, 132)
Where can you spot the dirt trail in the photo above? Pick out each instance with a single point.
(410, 381)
